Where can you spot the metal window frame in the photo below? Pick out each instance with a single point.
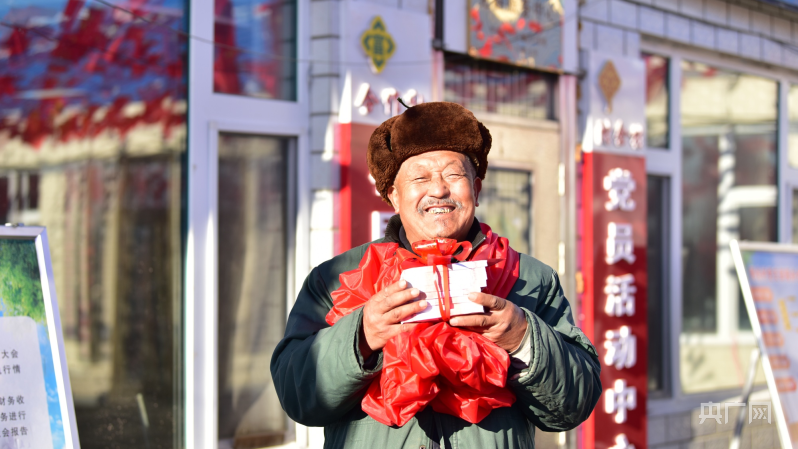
(521, 167)
(666, 163)
(551, 80)
(667, 343)
(209, 114)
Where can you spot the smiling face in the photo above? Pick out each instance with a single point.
(435, 194)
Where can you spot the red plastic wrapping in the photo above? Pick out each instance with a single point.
(453, 370)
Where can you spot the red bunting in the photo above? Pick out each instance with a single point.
(225, 65)
(7, 86)
(17, 42)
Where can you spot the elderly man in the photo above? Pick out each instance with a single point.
(429, 163)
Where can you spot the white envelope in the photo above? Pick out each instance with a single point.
(464, 278)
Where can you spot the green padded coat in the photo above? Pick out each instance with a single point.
(320, 376)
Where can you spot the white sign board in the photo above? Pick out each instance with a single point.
(36, 409)
(373, 97)
(463, 278)
(613, 104)
(24, 420)
(768, 274)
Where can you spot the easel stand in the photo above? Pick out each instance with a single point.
(749, 385)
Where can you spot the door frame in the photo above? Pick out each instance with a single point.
(201, 295)
(211, 113)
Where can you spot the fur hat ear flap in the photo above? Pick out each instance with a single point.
(487, 141)
(382, 164)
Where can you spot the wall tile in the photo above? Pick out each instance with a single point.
(326, 172)
(587, 35)
(750, 46)
(632, 44)
(623, 14)
(610, 39)
(745, 439)
(782, 29)
(728, 426)
(760, 23)
(703, 35)
(419, 6)
(791, 57)
(652, 21)
(672, 5)
(322, 50)
(324, 95)
(322, 209)
(692, 8)
(321, 133)
(699, 428)
(765, 436)
(597, 10)
(455, 25)
(390, 3)
(727, 41)
(716, 11)
(772, 51)
(324, 18)
(656, 430)
(739, 17)
(716, 442)
(677, 28)
(679, 428)
(322, 242)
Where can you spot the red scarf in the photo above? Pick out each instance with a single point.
(456, 371)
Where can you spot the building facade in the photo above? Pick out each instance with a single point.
(717, 94)
(192, 161)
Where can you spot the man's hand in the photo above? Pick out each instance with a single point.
(383, 315)
(504, 324)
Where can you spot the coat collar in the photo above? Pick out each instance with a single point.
(395, 233)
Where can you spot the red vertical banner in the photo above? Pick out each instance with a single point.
(614, 269)
(358, 197)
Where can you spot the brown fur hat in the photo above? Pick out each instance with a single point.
(437, 126)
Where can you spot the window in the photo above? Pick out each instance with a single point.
(92, 119)
(505, 204)
(728, 192)
(499, 88)
(19, 197)
(253, 274)
(658, 284)
(792, 114)
(657, 101)
(256, 47)
(795, 216)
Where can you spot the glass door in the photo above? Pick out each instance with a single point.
(255, 208)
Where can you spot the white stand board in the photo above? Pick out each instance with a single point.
(36, 409)
(768, 274)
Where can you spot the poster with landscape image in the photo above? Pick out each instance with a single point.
(30, 407)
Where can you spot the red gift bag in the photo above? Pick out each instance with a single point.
(453, 370)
